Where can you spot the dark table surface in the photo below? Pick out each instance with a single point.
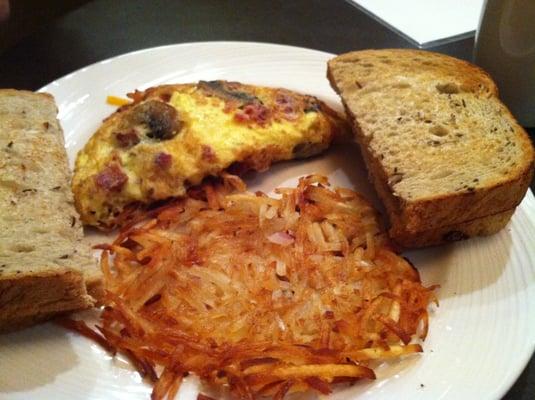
(101, 29)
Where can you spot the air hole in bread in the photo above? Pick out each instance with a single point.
(438, 130)
(23, 248)
(447, 88)
(401, 85)
(441, 174)
(367, 65)
(371, 88)
(396, 178)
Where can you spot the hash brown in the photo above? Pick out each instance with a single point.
(263, 296)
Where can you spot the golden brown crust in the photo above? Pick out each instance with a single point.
(34, 297)
(457, 208)
(18, 93)
(473, 77)
(483, 226)
(25, 321)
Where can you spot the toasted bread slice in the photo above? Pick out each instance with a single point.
(45, 268)
(440, 147)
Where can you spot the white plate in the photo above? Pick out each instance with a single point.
(480, 338)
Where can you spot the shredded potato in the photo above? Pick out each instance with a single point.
(261, 296)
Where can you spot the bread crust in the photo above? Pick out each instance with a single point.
(483, 226)
(415, 218)
(36, 297)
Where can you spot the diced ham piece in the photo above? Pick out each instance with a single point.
(207, 153)
(287, 106)
(112, 178)
(163, 160)
(254, 112)
(127, 139)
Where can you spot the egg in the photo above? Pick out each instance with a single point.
(171, 137)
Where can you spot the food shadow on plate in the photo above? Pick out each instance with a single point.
(464, 267)
(93, 236)
(34, 357)
(342, 163)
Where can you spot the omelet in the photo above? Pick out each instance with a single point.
(171, 137)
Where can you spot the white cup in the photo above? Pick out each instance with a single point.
(505, 48)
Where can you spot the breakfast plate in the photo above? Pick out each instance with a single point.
(480, 337)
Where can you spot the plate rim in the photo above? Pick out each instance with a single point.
(182, 44)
